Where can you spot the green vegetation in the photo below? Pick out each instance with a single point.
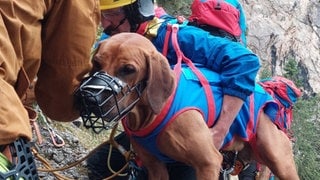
(176, 7)
(265, 73)
(291, 71)
(306, 128)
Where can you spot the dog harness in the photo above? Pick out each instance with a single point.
(190, 95)
(204, 95)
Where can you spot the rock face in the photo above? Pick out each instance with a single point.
(283, 30)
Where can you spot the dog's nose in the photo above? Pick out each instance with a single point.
(92, 98)
(95, 91)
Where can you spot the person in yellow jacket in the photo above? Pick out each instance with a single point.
(49, 40)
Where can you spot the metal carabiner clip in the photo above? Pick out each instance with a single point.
(57, 140)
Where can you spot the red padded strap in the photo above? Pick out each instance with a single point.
(142, 28)
(203, 80)
(166, 41)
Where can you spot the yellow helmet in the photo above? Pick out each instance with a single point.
(110, 4)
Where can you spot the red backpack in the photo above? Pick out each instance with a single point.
(219, 17)
(285, 93)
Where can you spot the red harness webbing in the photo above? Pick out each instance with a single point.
(173, 29)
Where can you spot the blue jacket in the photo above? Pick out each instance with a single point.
(237, 65)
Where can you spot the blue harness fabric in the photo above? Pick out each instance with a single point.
(190, 95)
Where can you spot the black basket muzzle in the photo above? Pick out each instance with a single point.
(103, 100)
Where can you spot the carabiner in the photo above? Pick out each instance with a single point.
(57, 140)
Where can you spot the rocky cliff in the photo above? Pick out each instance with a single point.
(283, 30)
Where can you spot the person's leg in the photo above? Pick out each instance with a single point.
(97, 163)
(181, 171)
(249, 173)
(98, 168)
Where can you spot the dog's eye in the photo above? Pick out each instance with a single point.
(96, 65)
(127, 70)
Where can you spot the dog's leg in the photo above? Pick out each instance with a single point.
(156, 169)
(187, 139)
(275, 149)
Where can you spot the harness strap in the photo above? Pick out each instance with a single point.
(167, 107)
(142, 28)
(166, 41)
(250, 124)
(203, 80)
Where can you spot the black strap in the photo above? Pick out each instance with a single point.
(216, 31)
(2, 147)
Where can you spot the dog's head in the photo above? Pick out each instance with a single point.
(127, 68)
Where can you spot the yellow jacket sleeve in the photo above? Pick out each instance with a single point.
(69, 32)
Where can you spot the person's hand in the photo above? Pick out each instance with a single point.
(230, 108)
(218, 136)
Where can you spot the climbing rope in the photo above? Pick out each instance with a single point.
(129, 155)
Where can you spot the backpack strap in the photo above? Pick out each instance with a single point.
(142, 28)
(215, 31)
(177, 69)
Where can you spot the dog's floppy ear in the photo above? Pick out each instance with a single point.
(95, 66)
(161, 81)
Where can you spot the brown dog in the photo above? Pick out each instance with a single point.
(133, 59)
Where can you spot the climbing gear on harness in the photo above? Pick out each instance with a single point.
(133, 170)
(22, 166)
(131, 167)
(99, 100)
(54, 171)
(33, 117)
(130, 156)
(228, 163)
(57, 140)
(119, 147)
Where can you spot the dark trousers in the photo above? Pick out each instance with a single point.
(97, 165)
